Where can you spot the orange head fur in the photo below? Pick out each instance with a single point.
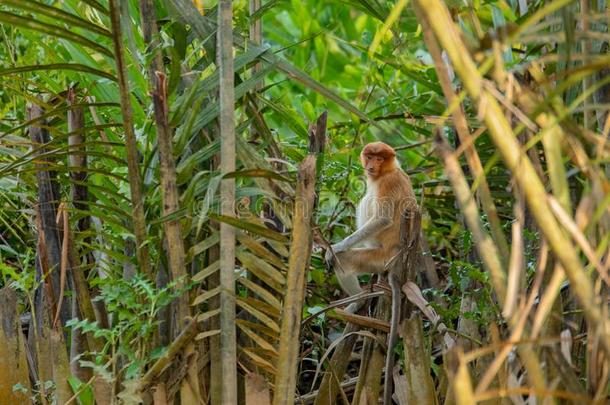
(378, 158)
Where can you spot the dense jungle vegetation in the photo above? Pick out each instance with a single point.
(172, 173)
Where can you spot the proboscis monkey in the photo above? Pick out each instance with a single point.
(388, 194)
(377, 240)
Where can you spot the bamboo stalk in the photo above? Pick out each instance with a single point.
(511, 152)
(585, 45)
(486, 248)
(487, 251)
(228, 350)
(462, 385)
(78, 159)
(551, 141)
(298, 263)
(213, 281)
(80, 198)
(256, 36)
(189, 389)
(169, 189)
(553, 137)
(135, 181)
(466, 138)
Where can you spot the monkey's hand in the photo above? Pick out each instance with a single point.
(331, 256)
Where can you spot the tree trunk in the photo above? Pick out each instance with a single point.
(77, 160)
(228, 344)
(420, 387)
(298, 264)
(13, 362)
(50, 245)
(135, 181)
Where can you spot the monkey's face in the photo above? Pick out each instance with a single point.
(377, 158)
(373, 165)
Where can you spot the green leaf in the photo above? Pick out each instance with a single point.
(85, 394)
(53, 30)
(57, 15)
(77, 67)
(250, 227)
(205, 28)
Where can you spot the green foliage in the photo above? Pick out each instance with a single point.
(85, 393)
(22, 277)
(41, 390)
(133, 305)
(315, 56)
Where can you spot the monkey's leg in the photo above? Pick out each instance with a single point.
(355, 261)
(364, 260)
(349, 282)
(351, 286)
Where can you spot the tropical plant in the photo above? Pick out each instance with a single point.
(167, 195)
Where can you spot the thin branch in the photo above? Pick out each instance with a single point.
(135, 181)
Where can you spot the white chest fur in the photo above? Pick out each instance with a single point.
(366, 209)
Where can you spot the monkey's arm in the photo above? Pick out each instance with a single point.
(372, 227)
